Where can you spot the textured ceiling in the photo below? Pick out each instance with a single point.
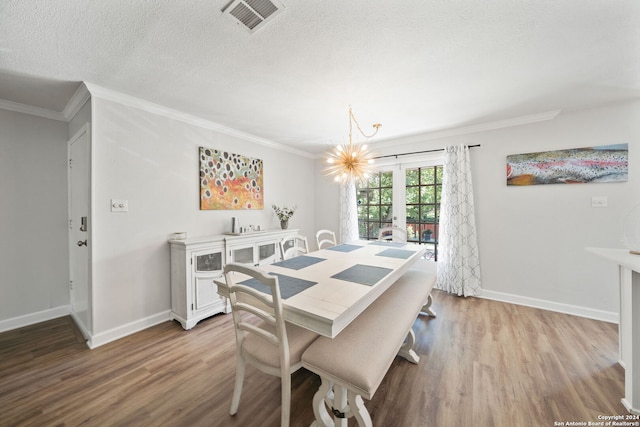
(414, 66)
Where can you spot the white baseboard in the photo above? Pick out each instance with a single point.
(33, 318)
(605, 316)
(130, 328)
(80, 325)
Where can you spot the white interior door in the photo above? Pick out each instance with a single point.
(79, 236)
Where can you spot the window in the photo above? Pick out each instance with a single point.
(375, 204)
(423, 190)
(408, 197)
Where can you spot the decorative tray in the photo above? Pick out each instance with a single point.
(246, 233)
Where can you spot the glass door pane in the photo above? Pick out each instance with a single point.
(209, 262)
(266, 253)
(423, 186)
(243, 255)
(375, 204)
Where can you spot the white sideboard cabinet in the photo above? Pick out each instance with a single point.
(256, 248)
(197, 262)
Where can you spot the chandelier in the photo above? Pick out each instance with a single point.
(351, 161)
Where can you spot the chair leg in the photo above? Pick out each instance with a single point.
(237, 389)
(286, 400)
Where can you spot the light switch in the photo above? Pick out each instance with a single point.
(118, 205)
(599, 201)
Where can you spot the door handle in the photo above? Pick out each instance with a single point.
(82, 243)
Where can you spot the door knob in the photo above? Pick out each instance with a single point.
(82, 243)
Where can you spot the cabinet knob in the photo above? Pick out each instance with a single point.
(82, 243)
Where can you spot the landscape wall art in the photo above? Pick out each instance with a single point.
(604, 163)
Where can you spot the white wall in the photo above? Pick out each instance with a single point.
(151, 160)
(327, 202)
(33, 216)
(532, 238)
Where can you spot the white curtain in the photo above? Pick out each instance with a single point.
(348, 212)
(458, 259)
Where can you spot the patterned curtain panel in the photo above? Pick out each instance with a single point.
(458, 259)
(348, 212)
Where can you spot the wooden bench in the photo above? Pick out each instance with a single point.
(353, 364)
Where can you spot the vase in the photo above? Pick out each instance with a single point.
(284, 224)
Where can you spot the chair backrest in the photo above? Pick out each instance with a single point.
(293, 246)
(393, 234)
(268, 308)
(325, 237)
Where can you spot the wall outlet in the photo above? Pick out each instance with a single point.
(118, 205)
(599, 202)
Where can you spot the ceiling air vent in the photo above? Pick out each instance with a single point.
(252, 14)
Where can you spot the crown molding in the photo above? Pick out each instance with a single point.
(34, 111)
(132, 101)
(79, 98)
(465, 130)
(86, 90)
(76, 102)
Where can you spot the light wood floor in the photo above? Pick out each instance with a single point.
(483, 363)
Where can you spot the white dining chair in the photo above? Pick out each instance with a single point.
(293, 246)
(271, 345)
(392, 234)
(325, 237)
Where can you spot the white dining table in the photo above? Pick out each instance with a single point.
(325, 290)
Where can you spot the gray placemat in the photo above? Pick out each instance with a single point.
(289, 286)
(344, 248)
(396, 253)
(363, 274)
(389, 244)
(299, 262)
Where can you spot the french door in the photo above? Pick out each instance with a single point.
(403, 195)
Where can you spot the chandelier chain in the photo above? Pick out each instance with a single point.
(352, 119)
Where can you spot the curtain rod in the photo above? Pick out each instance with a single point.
(418, 152)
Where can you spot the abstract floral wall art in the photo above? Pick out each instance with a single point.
(230, 181)
(604, 163)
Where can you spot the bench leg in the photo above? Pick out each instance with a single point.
(344, 404)
(340, 407)
(325, 392)
(426, 308)
(360, 414)
(407, 351)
